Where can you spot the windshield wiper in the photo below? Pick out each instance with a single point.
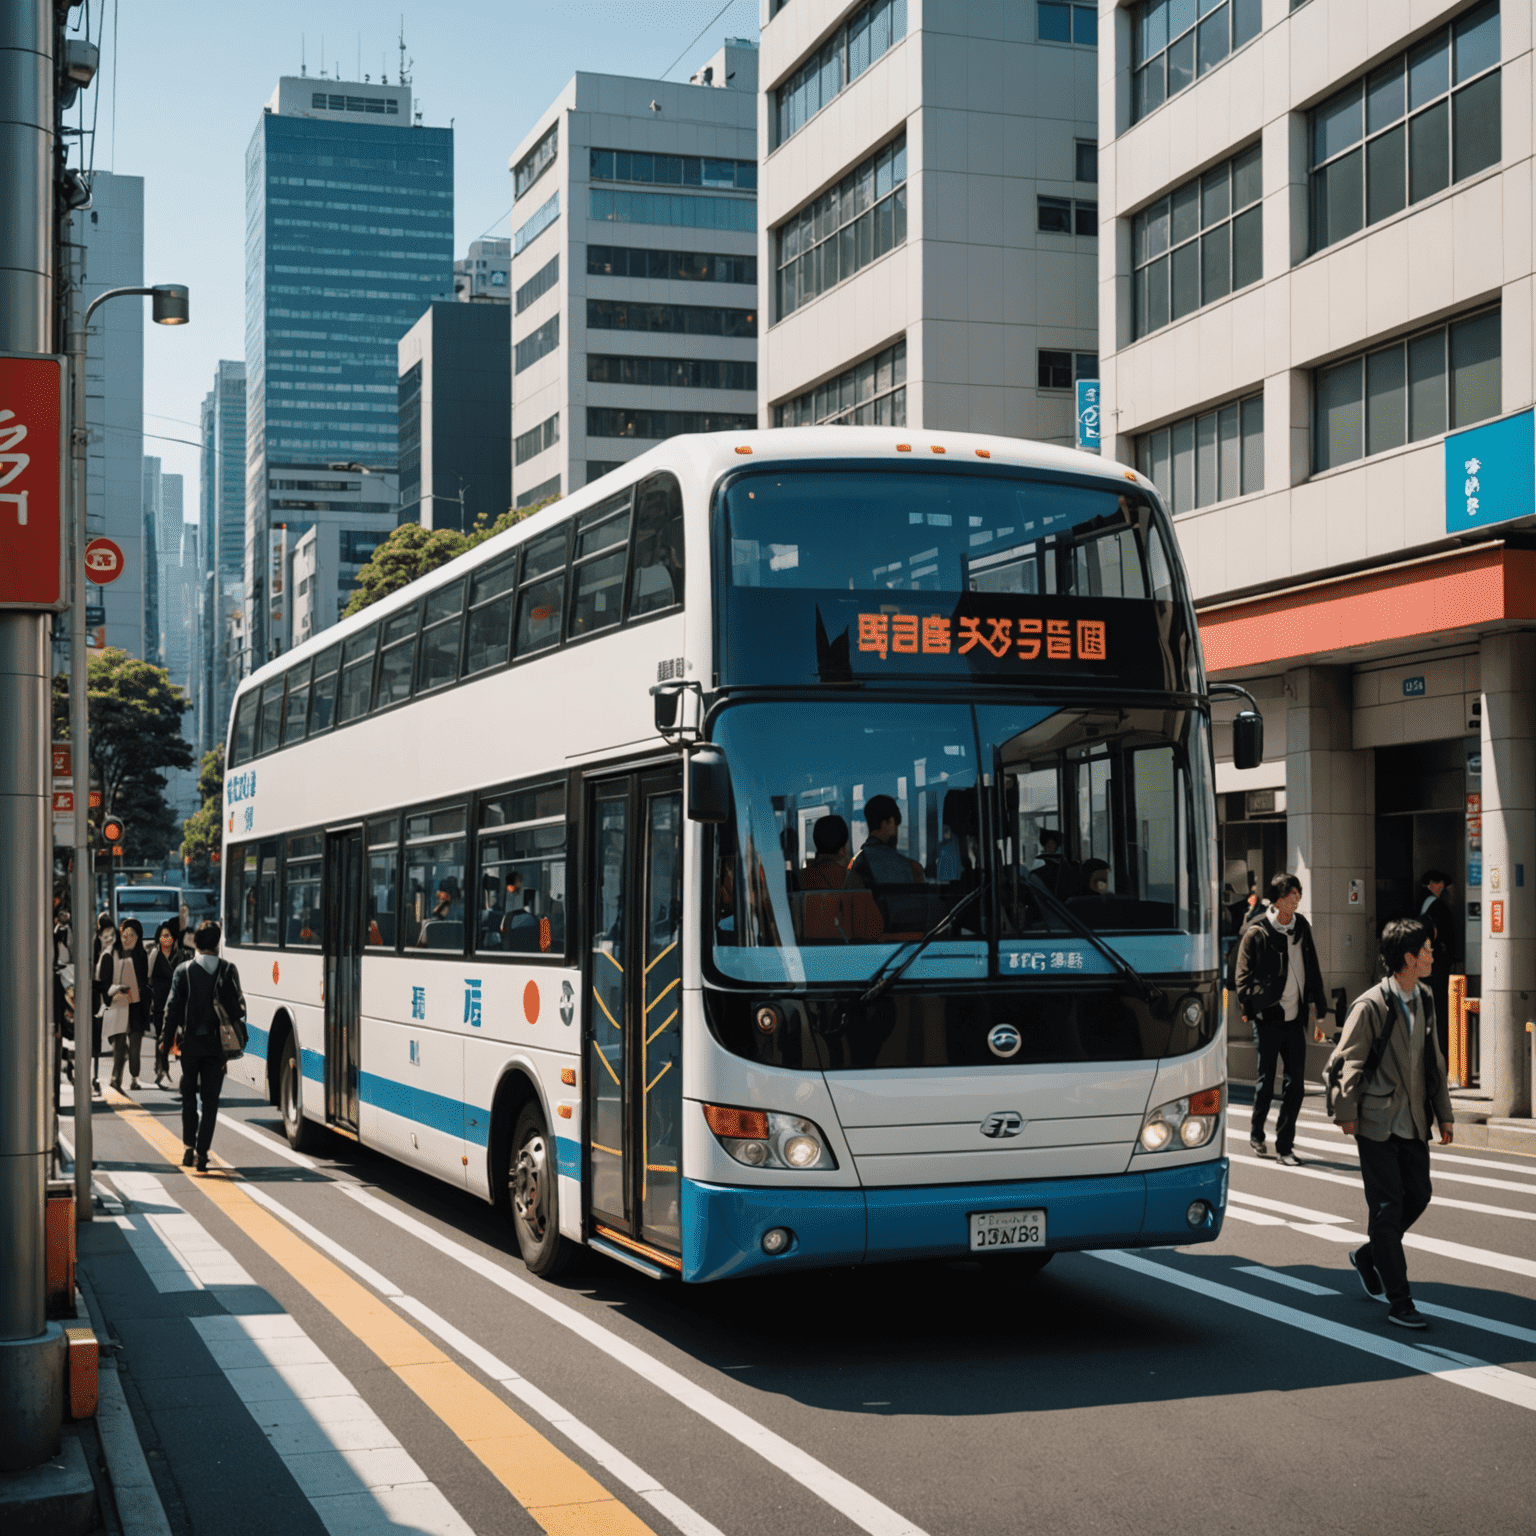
(885, 978)
(1152, 995)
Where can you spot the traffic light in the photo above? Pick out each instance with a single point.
(112, 833)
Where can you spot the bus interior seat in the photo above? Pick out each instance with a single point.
(441, 933)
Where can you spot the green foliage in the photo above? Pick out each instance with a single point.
(411, 551)
(200, 831)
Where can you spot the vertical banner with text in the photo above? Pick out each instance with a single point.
(32, 468)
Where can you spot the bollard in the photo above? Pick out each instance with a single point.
(84, 1361)
(1456, 1067)
(59, 1243)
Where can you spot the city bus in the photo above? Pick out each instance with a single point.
(793, 849)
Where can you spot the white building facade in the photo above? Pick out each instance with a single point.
(1317, 339)
(929, 202)
(634, 271)
(484, 275)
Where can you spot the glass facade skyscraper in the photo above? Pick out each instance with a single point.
(349, 236)
(222, 546)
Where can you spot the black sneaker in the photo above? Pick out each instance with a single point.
(1289, 1159)
(1259, 1145)
(202, 1162)
(186, 1158)
(1406, 1315)
(1370, 1280)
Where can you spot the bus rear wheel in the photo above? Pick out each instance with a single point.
(533, 1195)
(300, 1132)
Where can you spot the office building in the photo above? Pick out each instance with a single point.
(221, 501)
(349, 219)
(456, 415)
(151, 506)
(484, 276)
(634, 273)
(106, 248)
(929, 232)
(1316, 310)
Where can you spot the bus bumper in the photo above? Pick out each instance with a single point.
(723, 1226)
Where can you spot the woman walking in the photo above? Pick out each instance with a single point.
(127, 1041)
(169, 953)
(103, 944)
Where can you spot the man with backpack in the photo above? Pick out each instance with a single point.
(1387, 1087)
(203, 989)
(1279, 990)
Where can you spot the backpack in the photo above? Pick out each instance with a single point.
(1333, 1072)
(1254, 914)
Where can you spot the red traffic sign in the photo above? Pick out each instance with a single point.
(32, 466)
(63, 802)
(103, 561)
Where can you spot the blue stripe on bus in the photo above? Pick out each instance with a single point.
(568, 1157)
(436, 1111)
(256, 1041)
(312, 1065)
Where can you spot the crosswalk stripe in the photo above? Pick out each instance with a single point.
(1279, 1277)
(1323, 1122)
(1282, 1206)
(1344, 1147)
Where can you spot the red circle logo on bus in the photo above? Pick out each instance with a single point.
(103, 561)
(531, 1002)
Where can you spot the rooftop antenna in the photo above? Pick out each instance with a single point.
(322, 55)
(405, 63)
(303, 67)
(359, 74)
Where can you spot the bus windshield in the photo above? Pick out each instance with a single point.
(838, 575)
(858, 826)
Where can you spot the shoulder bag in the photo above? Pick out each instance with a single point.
(232, 1031)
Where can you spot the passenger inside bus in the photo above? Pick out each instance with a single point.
(837, 907)
(443, 927)
(888, 872)
(519, 926)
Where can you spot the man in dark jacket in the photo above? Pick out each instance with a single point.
(190, 1015)
(1280, 991)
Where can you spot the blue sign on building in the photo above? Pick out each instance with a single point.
(1490, 473)
(1088, 415)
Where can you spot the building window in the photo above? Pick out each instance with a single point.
(539, 284)
(615, 421)
(1087, 161)
(872, 394)
(544, 491)
(1056, 370)
(1437, 381)
(684, 319)
(846, 228)
(673, 170)
(671, 372)
(409, 406)
(1424, 120)
(541, 220)
(1058, 22)
(537, 344)
(1172, 46)
(383, 106)
(536, 439)
(685, 210)
(358, 545)
(1199, 244)
(1066, 216)
(870, 32)
(535, 162)
(673, 266)
(1205, 459)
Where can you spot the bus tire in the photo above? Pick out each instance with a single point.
(301, 1133)
(533, 1200)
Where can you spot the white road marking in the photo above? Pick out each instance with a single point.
(177, 1252)
(683, 1516)
(1253, 1218)
(1466, 1371)
(863, 1509)
(1344, 1147)
(1446, 1157)
(1279, 1277)
(1280, 1205)
(1472, 1320)
(1505, 1261)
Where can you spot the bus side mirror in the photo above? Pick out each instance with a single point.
(665, 700)
(709, 784)
(1248, 739)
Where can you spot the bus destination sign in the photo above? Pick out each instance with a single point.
(1001, 636)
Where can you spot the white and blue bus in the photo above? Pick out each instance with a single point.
(796, 848)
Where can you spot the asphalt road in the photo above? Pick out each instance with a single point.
(339, 1344)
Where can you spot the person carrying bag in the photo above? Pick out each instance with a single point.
(205, 1012)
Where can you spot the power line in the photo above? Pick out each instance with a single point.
(702, 30)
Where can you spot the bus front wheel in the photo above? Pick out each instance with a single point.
(299, 1131)
(533, 1196)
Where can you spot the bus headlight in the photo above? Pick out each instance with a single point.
(763, 1138)
(1184, 1123)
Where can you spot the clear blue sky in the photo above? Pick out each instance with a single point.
(190, 80)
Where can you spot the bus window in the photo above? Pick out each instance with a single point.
(235, 929)
(490, 616)
(356, 675)
(434, 879)
(521, 855)
(301, 889)
(437, 662)
(383, 880)
(539, 597)
(656, 583)
(323, 709)
(245, 727)
(266, 905)
(252, 893)
(397, 658)
(597, 590)
(296, 715)
(270, 727)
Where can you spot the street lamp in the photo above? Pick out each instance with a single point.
(168, 306)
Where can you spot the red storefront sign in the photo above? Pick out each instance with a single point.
(32, 464)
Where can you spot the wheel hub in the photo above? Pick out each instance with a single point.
(528, 1175)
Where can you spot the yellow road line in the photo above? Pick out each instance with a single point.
(561, 1496)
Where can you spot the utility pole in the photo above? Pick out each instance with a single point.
(32, 1350)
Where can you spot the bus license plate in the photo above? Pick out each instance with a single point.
(995, 1230)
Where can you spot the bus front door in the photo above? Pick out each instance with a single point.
(342, 932)
(633, 1047)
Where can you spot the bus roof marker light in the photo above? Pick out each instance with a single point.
(903, 447)
(742, 448)
(937, 448)
(983, 453)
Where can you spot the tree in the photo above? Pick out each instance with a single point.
(411, 551)
(135, 730)
(201, 831)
